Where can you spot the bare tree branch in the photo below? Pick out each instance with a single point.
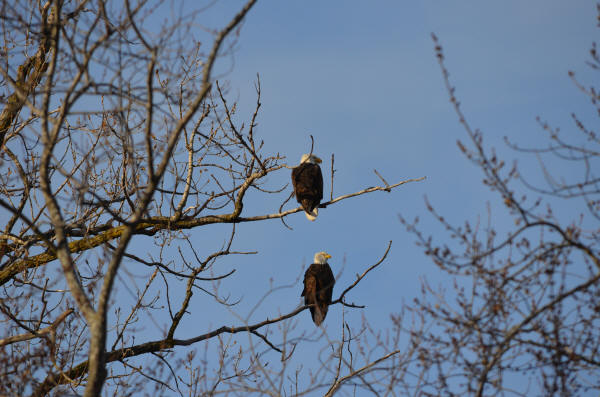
(39, 333)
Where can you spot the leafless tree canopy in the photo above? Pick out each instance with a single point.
(114, 129)
(522, 316)
(114, 132)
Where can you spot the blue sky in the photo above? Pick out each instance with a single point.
(362, 78)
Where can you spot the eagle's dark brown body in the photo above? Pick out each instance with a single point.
(308, 186)
(318, 290)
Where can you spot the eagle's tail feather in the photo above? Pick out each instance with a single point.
(318, 316)
(312, 215)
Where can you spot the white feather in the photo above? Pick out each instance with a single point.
(321, 257)
(313, 215)
(310, 158)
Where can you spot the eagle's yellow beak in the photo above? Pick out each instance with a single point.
(327, 255)
(318, 160)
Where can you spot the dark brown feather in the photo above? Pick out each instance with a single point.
(307, 180)
(318, 290)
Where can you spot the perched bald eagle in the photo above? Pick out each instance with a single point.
(308, 184)
(318, 287)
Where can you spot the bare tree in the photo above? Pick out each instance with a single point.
(522, 315)
(113, 130)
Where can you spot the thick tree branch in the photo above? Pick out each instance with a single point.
(29, 75)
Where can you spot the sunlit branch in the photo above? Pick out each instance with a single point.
(38, 333)
(153, 225)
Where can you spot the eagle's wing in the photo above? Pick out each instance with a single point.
(307, 180)
(296, 178)
(319, 178)
(325, 281)
(328, 285)
(312, 295)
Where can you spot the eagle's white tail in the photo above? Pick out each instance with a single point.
(313, 215)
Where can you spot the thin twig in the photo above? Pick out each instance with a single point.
(387, 185)
(281, 209)
(264, 338)
(360, 277)
(39, 333)
(332, 172)
(339, 382)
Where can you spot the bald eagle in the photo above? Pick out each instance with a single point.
(318, 287)
(308, 184)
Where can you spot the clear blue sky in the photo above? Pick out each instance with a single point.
(362, 77)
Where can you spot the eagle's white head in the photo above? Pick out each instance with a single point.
(310, 158)
(321, 257)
